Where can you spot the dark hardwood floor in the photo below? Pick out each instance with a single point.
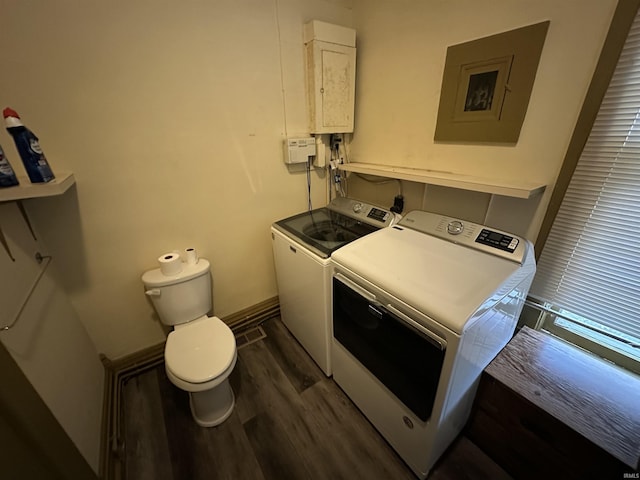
(290, 422)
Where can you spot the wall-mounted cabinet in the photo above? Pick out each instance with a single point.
(331, 76)
(517, 189)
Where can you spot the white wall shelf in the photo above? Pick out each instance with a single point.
(26, 189)
(465, 182)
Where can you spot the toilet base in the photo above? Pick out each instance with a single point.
(212, 407)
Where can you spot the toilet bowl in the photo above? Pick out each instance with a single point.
(200, 351)
(199, 357)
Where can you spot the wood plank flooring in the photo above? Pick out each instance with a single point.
(290, 422)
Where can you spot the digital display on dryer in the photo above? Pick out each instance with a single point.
(497, 240)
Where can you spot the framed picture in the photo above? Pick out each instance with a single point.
(481, 90)
(486, 86)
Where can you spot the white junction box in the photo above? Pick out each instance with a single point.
(298, 150)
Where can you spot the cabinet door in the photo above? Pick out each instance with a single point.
(331, 74)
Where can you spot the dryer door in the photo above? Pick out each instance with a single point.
(404, 356)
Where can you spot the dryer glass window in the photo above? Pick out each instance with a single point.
(405, 361)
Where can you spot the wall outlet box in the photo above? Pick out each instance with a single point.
(323, 153)
(298, 150)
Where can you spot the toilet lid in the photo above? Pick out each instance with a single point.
(200, 350)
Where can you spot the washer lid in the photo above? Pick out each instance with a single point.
(323, 231)
(200, 350)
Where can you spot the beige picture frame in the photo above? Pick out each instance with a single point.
(486, 86)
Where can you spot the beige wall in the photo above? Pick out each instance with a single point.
(171, 116)
(401, 53)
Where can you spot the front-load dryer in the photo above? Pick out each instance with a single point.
(419, 310)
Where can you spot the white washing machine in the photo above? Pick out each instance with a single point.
(419, 310)
(302, 246)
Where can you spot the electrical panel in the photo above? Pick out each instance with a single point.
(331, 76)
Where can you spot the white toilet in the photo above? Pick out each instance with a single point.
(200, 352)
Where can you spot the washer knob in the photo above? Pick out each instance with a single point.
(455, 227)
(357, 207)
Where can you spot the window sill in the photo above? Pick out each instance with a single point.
(575, 330)
(594, 398)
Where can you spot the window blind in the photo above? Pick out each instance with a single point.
(589, 268)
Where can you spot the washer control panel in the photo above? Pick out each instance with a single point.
(469, 234)
(378, 214)
(364, 212)
(455, 227)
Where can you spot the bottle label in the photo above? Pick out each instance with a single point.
(5, 167)
(35, 146)
(35, 163)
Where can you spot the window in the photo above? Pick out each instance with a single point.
(588, 281)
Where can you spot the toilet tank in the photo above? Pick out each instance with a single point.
(183, 297)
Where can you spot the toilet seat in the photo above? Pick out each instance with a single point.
(201, 351)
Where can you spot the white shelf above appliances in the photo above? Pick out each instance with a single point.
(517, 189)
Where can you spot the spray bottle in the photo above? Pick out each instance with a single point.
(7, 175)
(35, 163)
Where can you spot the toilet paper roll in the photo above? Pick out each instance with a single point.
(190, 255)
(170, 264)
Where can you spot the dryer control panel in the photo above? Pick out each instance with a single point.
(469, 234)
(497, 240)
